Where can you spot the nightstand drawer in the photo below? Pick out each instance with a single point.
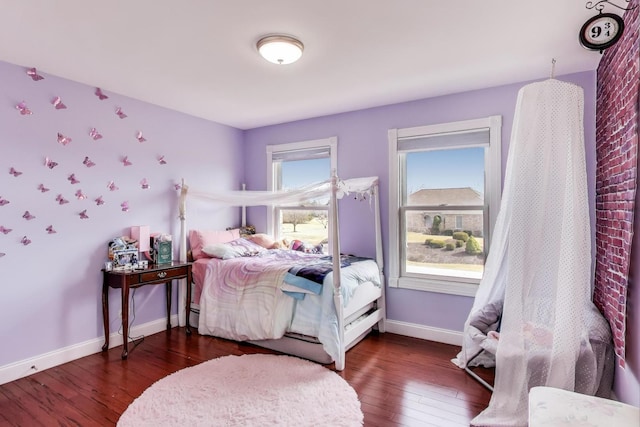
(161, 275)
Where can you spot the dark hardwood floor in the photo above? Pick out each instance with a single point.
(401, 381)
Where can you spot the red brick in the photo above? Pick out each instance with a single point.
(617, 87)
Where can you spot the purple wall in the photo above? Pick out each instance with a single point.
(51, 287)
(363, 151)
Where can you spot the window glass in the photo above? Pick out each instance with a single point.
(297, 165)
(310, 222)
(444, 207)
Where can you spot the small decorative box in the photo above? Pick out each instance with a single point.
(161, 250)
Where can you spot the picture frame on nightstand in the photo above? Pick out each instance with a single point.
(125, 258)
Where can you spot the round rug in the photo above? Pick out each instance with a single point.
(253, 389)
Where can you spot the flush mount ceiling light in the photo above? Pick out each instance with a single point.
(280, 49)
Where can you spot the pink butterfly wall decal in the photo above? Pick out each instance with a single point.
(57, 102)
(83, 214)
(72, 179)
(100, 95)
(139, 137)
(50, 163)
(177, 186)
(14, 172)
(120, 113)
(99, 201)
(33, 73)
(87, 162)
(125, 206)
(4, 230)
(93, 133)
(112, 186)
(80, 195)
(25, 241)
(61, 200)
(64, 140)
(24, 110)
(42, 188)
(4, 201)
(125, 161)
(2, 254)
(161, 160)
(50, 229)
(27, 215)
(144, 184)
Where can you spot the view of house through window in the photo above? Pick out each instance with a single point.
(444, 212)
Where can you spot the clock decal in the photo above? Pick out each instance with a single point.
(601, 31)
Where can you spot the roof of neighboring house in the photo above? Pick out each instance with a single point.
(446, 197)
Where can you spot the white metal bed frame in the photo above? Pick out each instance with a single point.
(367, 307)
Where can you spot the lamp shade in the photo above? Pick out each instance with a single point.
(141, 233)
(280, 49)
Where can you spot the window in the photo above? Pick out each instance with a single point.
(444, 195)
(295, 165)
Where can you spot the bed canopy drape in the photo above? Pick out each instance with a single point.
(539, 266)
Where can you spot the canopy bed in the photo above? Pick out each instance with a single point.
(312, 305)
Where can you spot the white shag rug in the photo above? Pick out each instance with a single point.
(248, 390)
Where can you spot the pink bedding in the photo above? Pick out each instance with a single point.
(230, 269)
(241, 298)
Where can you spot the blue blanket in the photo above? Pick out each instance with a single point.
(310, 277)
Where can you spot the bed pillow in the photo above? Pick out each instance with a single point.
(236, 248)
(198, 239)
(265, 241)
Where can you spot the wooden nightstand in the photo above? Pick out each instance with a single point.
(155, 274)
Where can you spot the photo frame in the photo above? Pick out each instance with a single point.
(125, 257)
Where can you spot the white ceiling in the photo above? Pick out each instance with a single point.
(199, 56)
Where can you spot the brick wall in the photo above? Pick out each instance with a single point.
(617, 122)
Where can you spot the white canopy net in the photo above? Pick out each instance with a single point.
(539, 265)
(296, 196)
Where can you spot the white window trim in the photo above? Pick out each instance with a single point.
(331, 142)
(493, 171)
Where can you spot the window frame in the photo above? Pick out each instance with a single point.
(492, 194)
(274, 176)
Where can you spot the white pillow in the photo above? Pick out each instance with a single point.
(233, 249)
(221, 250)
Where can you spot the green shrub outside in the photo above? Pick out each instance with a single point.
(435, 225)
(469, 232)
(447, 232)
(428, 241)
(438, 244)
(450, 246)
(473, 247)
(461, 235)
(459, 243)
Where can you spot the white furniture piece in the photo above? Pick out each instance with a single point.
(550, 406)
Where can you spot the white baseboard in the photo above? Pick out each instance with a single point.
(424, 332)
(48, 360)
